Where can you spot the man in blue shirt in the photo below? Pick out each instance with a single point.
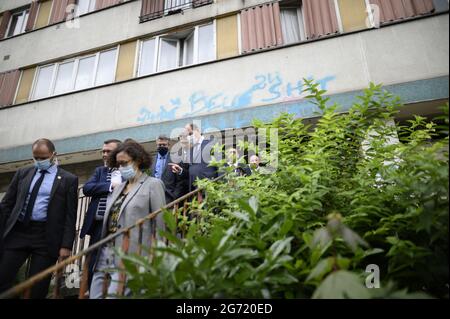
(40, 209)
(160, 169)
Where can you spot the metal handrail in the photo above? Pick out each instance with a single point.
(25, 287)
(169, 8)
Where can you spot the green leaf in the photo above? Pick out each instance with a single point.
(279, 246)
(253, 202)
(342, 284)
(321, 238)
(169, 220)
(351, 238)
(241, 252)
(322, 268)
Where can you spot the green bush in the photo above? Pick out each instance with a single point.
(341, 198)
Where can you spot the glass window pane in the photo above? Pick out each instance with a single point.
(16, 24)
(290, 26)
(206, 43)
(168, 54)
(440, 5)
(189, 49)
(24, 22)
(106, 67)
(85, 6)
(64, 78)
(43, 82)
(92, 5)
(85, 73)
(147, 62)
(82, 7)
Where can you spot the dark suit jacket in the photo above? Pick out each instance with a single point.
(2, 230)
(96, 187)
(202, 169)
(172, 182)
(241, 170)
(62, 207)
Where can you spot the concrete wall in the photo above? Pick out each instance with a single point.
(12, 4)
(397, 54)
(99, 29)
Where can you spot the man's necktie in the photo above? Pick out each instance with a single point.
(32, 199)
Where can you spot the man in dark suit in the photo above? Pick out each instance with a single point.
(2, 231)
(98, 187)
(255, 163)
(160, 169)
(238, 166)
(40, 207)
(198, 159)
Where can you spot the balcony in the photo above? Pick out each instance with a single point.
(156, 9)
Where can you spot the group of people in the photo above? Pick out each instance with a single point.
(38, 212)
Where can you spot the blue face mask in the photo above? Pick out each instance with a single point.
(42, 165)
(127, 172)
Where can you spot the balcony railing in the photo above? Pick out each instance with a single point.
(161, 8)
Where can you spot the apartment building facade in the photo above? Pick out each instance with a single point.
(83, 71)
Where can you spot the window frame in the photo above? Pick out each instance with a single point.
(369, 15)
(214, 27)
(36, 78)
(116, 60)
(91, 3)
(75, 71)
(338, 17)
(193, 34)
(24, 10)
(177, 63)
(155, 56)
(301, 23)
(55, 75)
(167, 36)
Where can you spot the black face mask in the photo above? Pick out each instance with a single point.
(162, 150)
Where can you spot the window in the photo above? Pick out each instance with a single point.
(188, 49)
(177, 49)
(85, 74)
(18, 22)
(64, 77)
(76, 74)
(147, 63)
(85, 6)
(175, 6)
(168, 54)
(44, 81)
(106, 67)
(292, 24)
(206, 47)
(440, 5)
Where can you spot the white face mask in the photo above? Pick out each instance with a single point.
(42, 165)
(128, 172)
(45, 164)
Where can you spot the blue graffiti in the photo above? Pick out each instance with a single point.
(268, 88)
